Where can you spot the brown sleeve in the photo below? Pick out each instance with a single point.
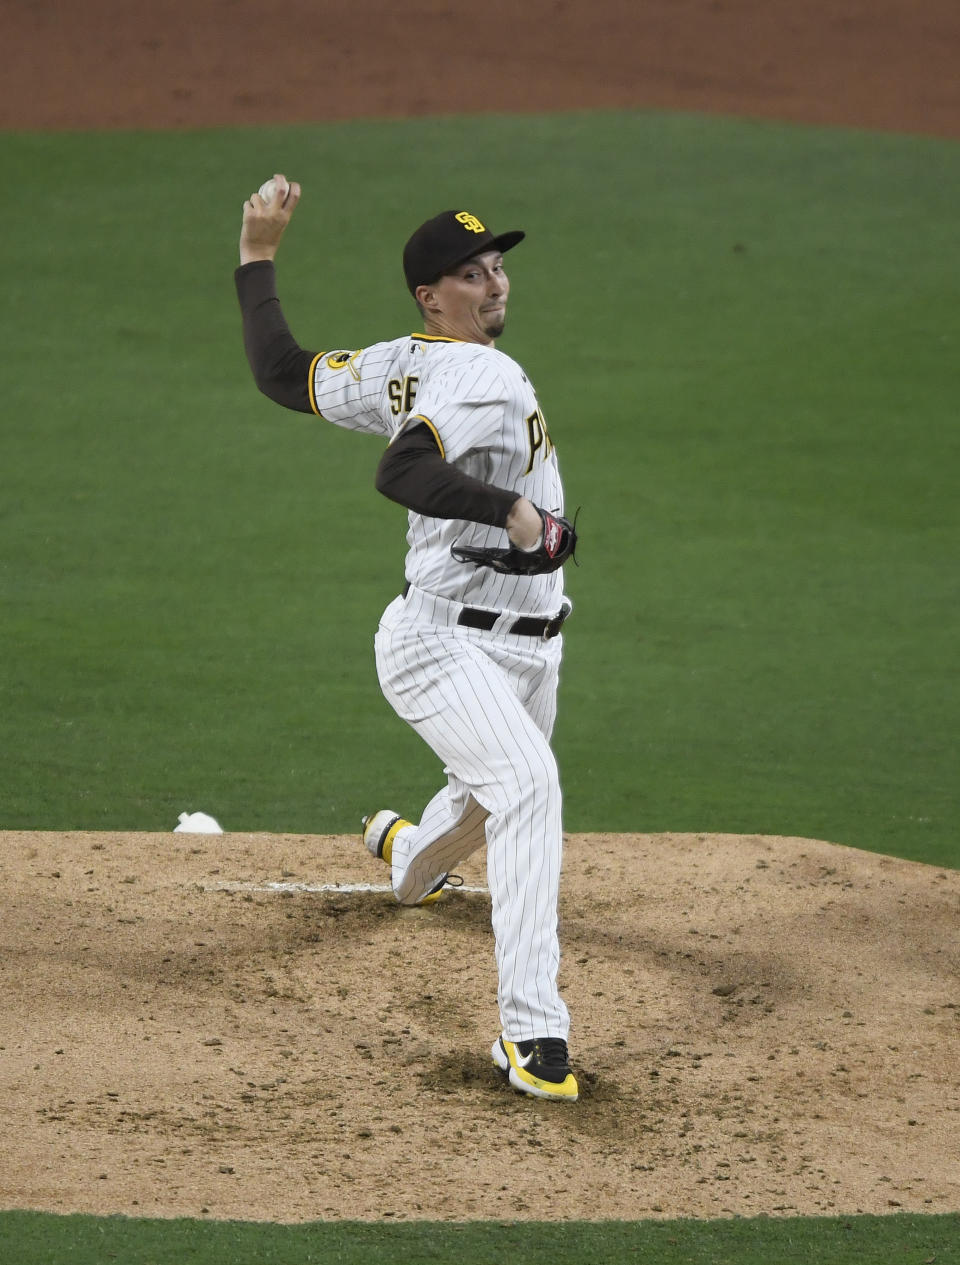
(413, 473)
(280, 366)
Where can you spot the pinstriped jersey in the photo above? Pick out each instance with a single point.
(484, 414)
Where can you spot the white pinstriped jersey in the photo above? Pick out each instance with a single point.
(484, 413)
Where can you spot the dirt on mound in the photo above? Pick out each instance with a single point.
(248, 1026)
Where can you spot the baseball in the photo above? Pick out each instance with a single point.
(268, 189)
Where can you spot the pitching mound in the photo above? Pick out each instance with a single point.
(207, 1025)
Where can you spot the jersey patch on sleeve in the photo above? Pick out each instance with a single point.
(344, 360)
(334, 360)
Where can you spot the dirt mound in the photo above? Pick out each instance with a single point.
(224, 1025)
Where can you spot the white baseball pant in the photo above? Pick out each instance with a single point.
(485, 702)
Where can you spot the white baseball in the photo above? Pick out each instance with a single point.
(268, 190)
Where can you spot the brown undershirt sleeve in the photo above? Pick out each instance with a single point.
(280, 366)
(413, 473)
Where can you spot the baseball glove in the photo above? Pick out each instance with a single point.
(558, 542)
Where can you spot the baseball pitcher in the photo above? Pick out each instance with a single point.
(468, 654)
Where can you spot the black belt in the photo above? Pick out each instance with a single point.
(525, 626)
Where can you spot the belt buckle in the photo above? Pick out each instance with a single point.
(552, 627)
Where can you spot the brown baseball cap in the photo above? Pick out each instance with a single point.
(449, 239)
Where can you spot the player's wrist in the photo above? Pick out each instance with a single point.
(257, 254)
(524, 524)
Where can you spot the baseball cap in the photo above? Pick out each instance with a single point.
(450, 238)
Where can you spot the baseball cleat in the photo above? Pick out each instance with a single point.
(379, 831)
(540, 1067)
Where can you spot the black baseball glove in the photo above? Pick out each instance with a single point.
(558, 542)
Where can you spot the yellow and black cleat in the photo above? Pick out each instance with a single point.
(540, 1067)
(379, 831)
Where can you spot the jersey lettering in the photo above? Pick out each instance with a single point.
(538, 437)
(402, 393)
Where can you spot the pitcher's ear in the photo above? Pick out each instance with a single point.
(427, 297)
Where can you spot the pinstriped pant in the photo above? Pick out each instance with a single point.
(485, 702)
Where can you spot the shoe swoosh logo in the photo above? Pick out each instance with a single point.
(523, 1061)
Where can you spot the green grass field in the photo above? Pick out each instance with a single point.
(745, 341)
(896, 1240)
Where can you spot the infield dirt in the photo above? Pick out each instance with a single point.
(761, 1025)
(886, 64)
